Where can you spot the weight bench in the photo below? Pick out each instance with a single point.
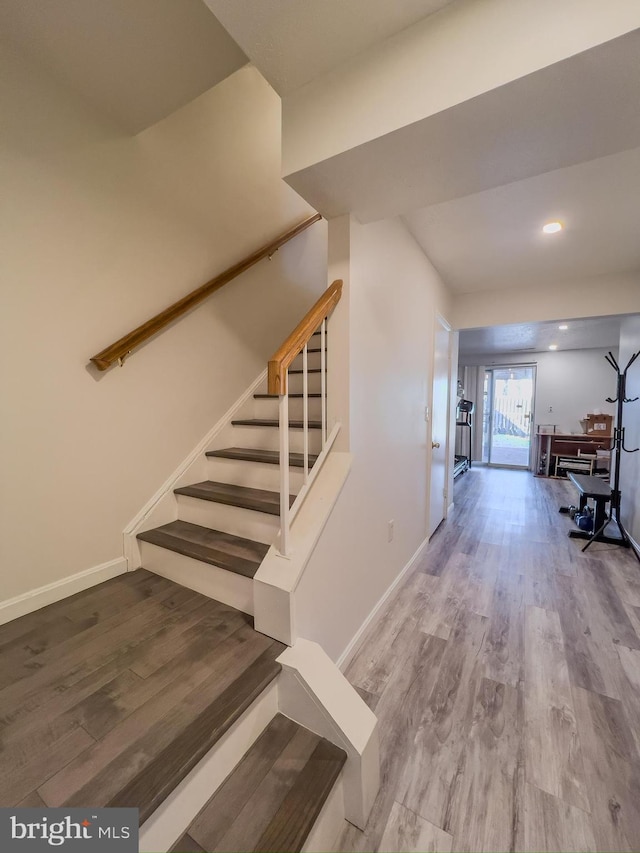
(600, 493)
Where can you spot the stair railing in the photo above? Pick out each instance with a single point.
(278, 385)
(123, 347)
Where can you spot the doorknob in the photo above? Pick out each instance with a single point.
(435, 444)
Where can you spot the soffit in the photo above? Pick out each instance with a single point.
(135, 61)
(295, 41)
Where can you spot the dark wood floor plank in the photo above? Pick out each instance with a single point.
(191, 662)
(153, 784)
(196, 633)
(93, 648)
(187, 845)
(148, 729)
(17, 781)
(218, 815)
(59, 610)
(255, 817)
(290, 825)
(94, 610)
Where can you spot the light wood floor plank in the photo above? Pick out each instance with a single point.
(490, 778)
(428, 782)
(613, 771)
(407, 832)
(552, 747)
(551, 824)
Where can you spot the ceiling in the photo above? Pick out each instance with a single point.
(135, 61)
(591, 333)
(503, 244)
(476, 182)
(295, 41)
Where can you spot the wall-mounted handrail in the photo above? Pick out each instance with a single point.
(281, 360)
(119, 350)
(278, 372)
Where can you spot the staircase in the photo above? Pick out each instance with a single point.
(226, 524)
(168, 699)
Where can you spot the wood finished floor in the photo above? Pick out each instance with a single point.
(505, 674)
(115, 690)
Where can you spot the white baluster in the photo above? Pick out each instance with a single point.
(323, 374)
(305, 413)
(284, 469)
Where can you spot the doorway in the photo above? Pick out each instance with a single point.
(440, 409)
(509, 392)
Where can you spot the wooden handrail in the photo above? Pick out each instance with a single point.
(125, 345)
(280, 361)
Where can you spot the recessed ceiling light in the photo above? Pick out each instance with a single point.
(553, 346)
(563, 327)
(552, 227)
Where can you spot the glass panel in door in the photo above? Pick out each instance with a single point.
(511, 416)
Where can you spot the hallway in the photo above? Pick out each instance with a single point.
(505, 673)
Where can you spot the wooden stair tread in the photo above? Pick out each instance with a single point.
(270, 457)
(271, 422)
(272, 798)
(151, 785)
(291, 396)
(259, 500)
(310, 370)
(234, 553)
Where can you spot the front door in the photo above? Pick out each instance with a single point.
(439, 438)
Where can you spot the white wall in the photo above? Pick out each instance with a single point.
(630, 462)
(392, 297)
(572, 383)
(100, 231)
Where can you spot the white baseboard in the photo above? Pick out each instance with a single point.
(350, 651)
(12, 608)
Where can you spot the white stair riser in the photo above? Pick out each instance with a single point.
(267, 438)
(296, 385)
(171, 820)
(255, 475)
(259, 526)
(212, 581)
(269, 408)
